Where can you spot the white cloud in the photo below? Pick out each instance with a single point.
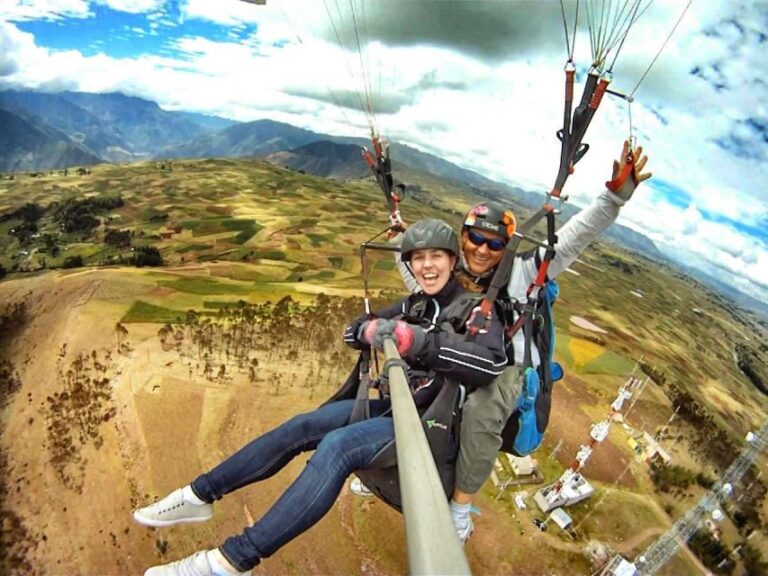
(24, 10)
(133, 6)
(720, 201)
(750, 256)
(13, 42)
(228, 13)
(691, 220)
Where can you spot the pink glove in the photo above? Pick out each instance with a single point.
(406, 336)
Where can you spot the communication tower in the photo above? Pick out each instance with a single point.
(659, 553)
(572, 487)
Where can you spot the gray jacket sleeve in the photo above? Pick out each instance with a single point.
(576, 234)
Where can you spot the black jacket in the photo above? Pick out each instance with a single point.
(446, 352)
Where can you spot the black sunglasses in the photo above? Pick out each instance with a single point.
(494, 244)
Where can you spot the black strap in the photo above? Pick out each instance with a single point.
(362, 409)
(528, 314)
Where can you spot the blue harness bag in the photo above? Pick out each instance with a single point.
(524, 431)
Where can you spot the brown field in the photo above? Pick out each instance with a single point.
(170, 425)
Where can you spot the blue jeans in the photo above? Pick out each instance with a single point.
(340, 449)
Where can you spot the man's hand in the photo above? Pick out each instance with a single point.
(628, 172)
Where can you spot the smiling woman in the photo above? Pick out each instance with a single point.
(431, 248)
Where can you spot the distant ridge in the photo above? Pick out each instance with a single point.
(250, 139)
(114, 127)
(324, 158)
(26, 145)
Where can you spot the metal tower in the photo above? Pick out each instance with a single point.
(650, 561)
(572, 487)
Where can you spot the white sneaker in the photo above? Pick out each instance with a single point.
(357, 487)
(462, 520)
(196, 565)
(173, 509)
(465, 530)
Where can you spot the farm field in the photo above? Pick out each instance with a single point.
(166, 389)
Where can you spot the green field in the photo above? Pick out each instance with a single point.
(598, 360)
(143, 312)
(205, 286)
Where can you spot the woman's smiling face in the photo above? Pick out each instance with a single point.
(432, 268)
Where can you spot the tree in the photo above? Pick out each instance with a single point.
(122, 332)
(23, 232)
(73, 262)
(78, 215)
(117, 238)
(713, 554)
(147, 256)
(753, 561)
(51, 244)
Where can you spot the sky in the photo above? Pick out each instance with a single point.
(479, 83)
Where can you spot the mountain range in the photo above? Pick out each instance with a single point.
(44, 131)
(108, 127)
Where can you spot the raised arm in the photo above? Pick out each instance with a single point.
(576, 234)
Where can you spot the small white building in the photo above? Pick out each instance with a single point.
(524, 466)
(654, 450)
(573, 489)
(561, 518)
(619, 567)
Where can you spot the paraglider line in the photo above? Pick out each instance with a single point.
(680, 19)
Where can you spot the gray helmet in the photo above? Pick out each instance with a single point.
(491, 216)
(429, 233)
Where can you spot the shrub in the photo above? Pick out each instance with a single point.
(669, 476)
(117, 238)
(753, 561)
(73, 262)
(78, 215)
(713, 553)
(147, 256)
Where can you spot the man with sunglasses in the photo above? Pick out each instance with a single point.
(484, 237)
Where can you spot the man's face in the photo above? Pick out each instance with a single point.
(479, 256)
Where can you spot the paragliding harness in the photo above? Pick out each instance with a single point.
(441, 419)
(524, 430)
